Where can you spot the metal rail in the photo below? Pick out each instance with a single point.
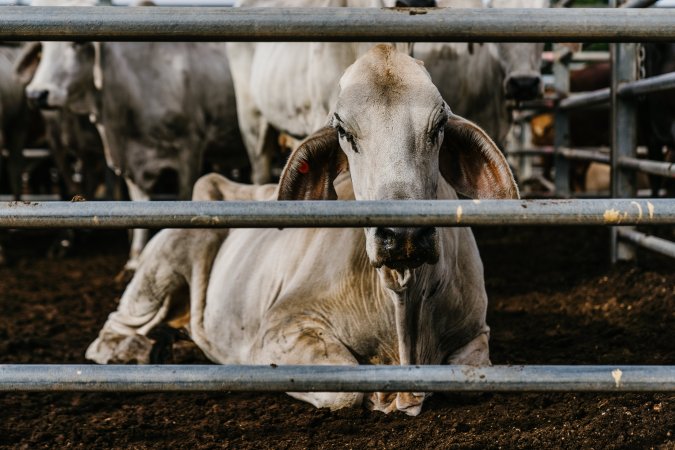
(652, 243)
(602, 96)
(107, 23)
(585, 99)
(174, 378)
(303, 214)
(585, 155)
(649, 85)
(660, 168)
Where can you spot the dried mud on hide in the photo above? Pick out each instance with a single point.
(553, 300)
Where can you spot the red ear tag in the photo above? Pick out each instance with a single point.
(303, 167)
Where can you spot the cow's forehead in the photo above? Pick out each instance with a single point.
(387, 81)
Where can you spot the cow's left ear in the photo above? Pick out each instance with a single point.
(473, 164)
(28, 61)
(311, 169)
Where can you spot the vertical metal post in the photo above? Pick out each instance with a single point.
(562, 85)
(624, 136)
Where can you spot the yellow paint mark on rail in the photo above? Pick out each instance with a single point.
(616, 374)
(459, 214)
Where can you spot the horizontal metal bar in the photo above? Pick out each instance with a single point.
(585, 155)
(664, 169)
(585, 99)
(530, 152)
(649, 85)
(304, 214)
(652, 243)
(173, 378)
(107, 23)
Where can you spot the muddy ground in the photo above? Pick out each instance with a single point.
(553, 300)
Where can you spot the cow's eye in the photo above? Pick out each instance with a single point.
(345, 135)
(437, 131)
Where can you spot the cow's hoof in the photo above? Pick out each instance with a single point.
(381, 401)
(112, 348)
(410, 402)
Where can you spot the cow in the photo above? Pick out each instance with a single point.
(158, 107)
(289, 87)
(479, 80)
(334, 296)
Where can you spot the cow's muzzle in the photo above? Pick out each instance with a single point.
(406, 248)
(523, 87)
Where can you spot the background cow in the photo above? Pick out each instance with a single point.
(478, 80)
(335, 296)
(289, 87)
(159, 107)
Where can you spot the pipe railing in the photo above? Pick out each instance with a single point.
(585, 155)
(649, 85)
(107, 23)
(304, 214)
(653, 243)
(272, 378)
(660, 168)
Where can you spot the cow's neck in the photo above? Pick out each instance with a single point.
(412, 294)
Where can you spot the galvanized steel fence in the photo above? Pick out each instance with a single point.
(344, 24)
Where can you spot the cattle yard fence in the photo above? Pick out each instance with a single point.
(620, 26)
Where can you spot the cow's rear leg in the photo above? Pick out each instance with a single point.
(158, 293)
(306, 343)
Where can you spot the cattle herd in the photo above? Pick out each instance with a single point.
(353, 121)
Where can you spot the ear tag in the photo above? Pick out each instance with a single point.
(303, 167)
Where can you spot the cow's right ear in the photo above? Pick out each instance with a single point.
(312, 168)
(28, 62)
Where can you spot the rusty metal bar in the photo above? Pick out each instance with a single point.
(191, 378)
(108, 23)
(304, 214)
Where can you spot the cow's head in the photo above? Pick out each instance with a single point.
(520, 62)
(60, 74)
(394, 133)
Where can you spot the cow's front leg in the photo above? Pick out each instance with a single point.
(139, 236)
(303, 341)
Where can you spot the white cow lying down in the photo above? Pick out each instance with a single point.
(334, 296)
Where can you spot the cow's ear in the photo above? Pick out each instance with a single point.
(473, 164)
(28, 61)
(312, 168)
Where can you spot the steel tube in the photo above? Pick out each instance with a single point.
(664, 169)
(303, 214)
(648, 85)
(652, 243)
(585, 99)
(585, 155)
(107, 23)
(173, 378)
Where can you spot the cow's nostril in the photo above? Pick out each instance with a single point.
(424, 233)
(416, 3)
(524, 87)
(38, 98)
(388, 237)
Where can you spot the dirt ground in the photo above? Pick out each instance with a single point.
(553, 300)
